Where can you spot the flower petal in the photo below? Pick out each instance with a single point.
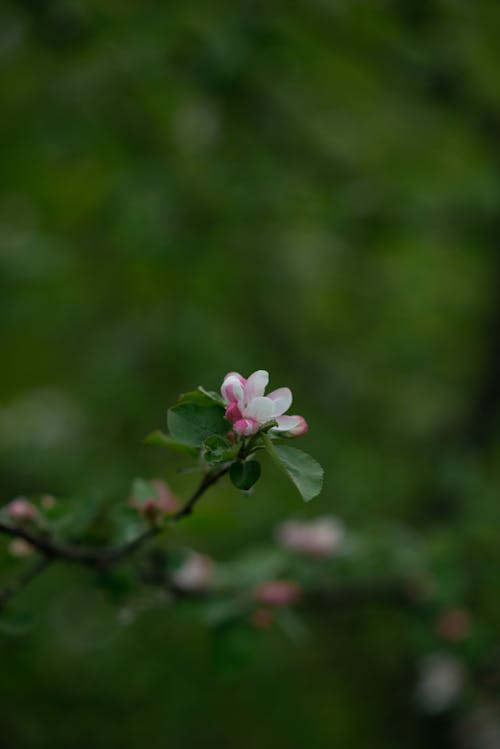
(246, 427)
(286, 423)
(261, 409)
(282, 398)
(256, 385)
(233, 388)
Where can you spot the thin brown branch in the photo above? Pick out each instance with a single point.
(106, 555)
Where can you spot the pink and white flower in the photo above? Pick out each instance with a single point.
(21, 510)
(278, 593)
(322, 537)
(248, 409)
(196, 574)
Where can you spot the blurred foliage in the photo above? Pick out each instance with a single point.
(192, 188)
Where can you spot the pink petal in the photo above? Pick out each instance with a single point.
(282, 398)
(233, 413)
(261, 409)
(232, 389)
(256, 385)
(301, 428)
(246, 427)
(237, 374)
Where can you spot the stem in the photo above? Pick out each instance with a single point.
(104, 556)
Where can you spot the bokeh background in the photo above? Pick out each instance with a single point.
(311, 188)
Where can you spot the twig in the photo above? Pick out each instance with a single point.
(103, 556)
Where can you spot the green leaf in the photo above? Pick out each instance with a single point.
(143, 491)
(245, 475)
(16, 623)
(74, 518)
(217, 449)
(192, 424)
(127, 524)
(160, 438)
(215, 397)
(305, 472)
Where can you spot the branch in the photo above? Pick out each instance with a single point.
(104, 556)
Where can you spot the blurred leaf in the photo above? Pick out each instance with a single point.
(223, 611)
(252, 567)
(143, 491)
(16, 623)
(127, 524)
(74, 518)
(160, 438)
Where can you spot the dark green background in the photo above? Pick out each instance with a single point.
(194, 187)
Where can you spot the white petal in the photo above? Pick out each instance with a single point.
(256, 385)
(285, 423)
(282, 398)
(261, 409)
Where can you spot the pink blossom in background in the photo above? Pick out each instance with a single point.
(248, 409)
(321, 537)
(196, 574)
(454, 625)
(162, 503)
(20, 548)
(21, 510)
(278, 593)
(167, 501)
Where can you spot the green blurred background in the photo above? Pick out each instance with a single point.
(195, 187)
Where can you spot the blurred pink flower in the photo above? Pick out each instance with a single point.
(167, 501)
(321, 537)
(454, 625)
(278, 593)
(21, 510)
(195, 574)
(20, 548)
(248, 409)
(162, 502)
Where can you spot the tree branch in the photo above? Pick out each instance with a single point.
(104, 556)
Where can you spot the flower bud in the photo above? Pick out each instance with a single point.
(160, 503)
(232, 389)
(21, 510)
(246, 427)
(278, 593)
(301, 428)
(233, 413)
